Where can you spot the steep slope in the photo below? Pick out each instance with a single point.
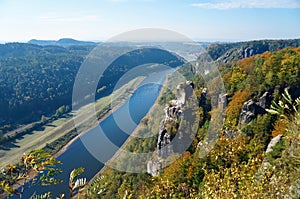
(234, 168)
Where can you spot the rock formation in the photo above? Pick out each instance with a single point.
(251, 109)
(273, 142)
(173, 111)
(265, 100)
(222, 100)
(265, 164)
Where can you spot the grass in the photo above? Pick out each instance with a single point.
(11, 151)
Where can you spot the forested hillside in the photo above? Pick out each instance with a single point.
(37, 80)
(228, 52)
(253, 158)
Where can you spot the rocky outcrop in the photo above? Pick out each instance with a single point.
(183, 92)
(222, 100)
(265, 164)
(228, 52)
(173, 111)
(251, 109)
(265, 100)
(154, 167)
(273, 142)
(164, 148)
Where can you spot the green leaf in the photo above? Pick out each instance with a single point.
(75, 173)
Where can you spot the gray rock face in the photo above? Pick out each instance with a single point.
(273, 142)
(265, 164)
(163, 144)
(251, 109)
(222, 100)
(154, 167)
(248, 52)
(184, 91)
(173, 110)
(265, 100)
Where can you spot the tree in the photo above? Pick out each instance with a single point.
(60, 111)
(234, 108)
(37, 163)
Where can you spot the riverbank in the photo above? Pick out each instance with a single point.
(10, 152)
(155, 109)
(65, 147)
(119, 97)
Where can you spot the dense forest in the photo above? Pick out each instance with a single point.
(37, 80)
(256, 155)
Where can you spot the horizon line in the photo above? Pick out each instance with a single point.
(208, 40)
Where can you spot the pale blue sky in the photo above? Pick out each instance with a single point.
(206, 20)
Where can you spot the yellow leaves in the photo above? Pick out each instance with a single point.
(247, 64)
(11, 169)
(231, 182)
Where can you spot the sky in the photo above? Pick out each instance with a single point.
(99, 20)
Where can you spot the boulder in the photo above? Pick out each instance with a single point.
(265, 164)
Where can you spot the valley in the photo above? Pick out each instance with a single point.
(258, 106)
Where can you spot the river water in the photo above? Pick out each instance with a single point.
(78, 156)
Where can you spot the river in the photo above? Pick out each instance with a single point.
(77, 155)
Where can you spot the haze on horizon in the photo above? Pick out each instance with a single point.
(201, 20)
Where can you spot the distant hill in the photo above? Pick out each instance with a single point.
(65, 42)
(227, 52)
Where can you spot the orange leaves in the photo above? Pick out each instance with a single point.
(234, 107)
(247, 64)
(279, 128)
